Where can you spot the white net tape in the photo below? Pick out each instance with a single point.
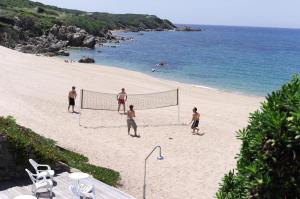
(150, 104)
(107, 101)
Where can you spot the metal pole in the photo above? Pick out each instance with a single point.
(178, 106)
(81, 97)
(145, 171)
(80, 118)
(144, 187)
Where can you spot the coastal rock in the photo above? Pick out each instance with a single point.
(28, 48)
(54, 29)
(101, 34)
(57, 46)
(72, 29)
(82, 31)
(62, 33)
(187, 29)
(89, 42)
(50, 54)
(58, 37)
(76, 40)
(23, 23)
(100, 40)
(75, 36)
(159, 29)
(63, 53)
(134, 30)
(78, 29)
(7, 40)
(110, 36)
(86, 60)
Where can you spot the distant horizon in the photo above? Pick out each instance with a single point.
(242, 26)
(249, 13)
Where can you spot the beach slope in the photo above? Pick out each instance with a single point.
(34, 90)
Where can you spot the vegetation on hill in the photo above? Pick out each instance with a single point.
(268, 165)
(39, 17)
(33, 27)
(27, 144)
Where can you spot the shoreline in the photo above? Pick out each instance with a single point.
(34, 90)
(170, 80)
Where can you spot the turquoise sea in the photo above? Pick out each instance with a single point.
(247, 60)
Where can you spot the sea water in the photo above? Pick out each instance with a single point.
(247, 60)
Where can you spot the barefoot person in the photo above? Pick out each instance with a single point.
(72, 96)
(195, 120)
(130, 121)
(122, 97)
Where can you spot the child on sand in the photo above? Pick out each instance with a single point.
(130, 121)
(195, 120)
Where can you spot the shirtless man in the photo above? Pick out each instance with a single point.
(130, 121)
(72, 96)
(122, 97)
(195, 120)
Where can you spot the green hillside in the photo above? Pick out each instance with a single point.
(39, 18)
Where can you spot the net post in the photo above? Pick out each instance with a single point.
(178, 106)
(81, 103)
(81, 97)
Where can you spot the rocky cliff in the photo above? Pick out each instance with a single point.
(37, 28)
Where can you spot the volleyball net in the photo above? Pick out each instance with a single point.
(99, 108)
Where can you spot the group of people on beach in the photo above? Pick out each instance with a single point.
(122, 98)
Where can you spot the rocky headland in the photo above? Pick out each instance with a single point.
(187, 29)
(57, 40)
(33, 27)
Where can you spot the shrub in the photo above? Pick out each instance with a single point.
(268, 164)
(27, 144)
(85, 22)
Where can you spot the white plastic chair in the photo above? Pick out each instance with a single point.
(45, 172)
(83, 191)
(39, 183)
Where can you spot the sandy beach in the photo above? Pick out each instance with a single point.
(34, 90)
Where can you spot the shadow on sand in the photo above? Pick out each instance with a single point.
(20, 182)
(135, 136)
(199, 134)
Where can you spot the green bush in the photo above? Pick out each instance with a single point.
(27, 144)
(268, 165)
(85, 22)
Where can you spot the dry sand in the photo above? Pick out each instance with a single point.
(34, 90)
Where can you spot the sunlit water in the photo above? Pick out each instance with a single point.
(240, 59)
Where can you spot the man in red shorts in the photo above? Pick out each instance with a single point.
(122, 97)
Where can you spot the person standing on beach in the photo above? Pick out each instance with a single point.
(195, 120)
(122, 97)
(131, 122)
(72, 96)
